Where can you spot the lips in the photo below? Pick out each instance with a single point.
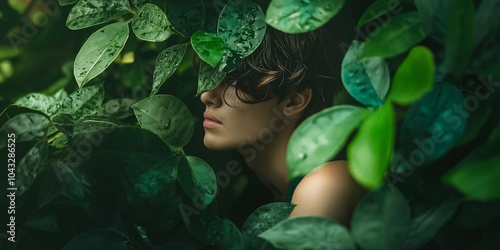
(210, 121)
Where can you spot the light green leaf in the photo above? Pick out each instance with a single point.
(166, 116)
(226, 235)
(367, 81)
(242, 27)
(376, 10)
(414, 77)
(399, 35)
(150, 24)
(309, 232)
(36, 101)
(371, 149)
(477, 175)
(209, 47)
(83, 103)
(166, 64)
(67, 2)
(27, 127)
(99, 51)
(87, 13)
(295, 17)
(186, 16)
(381, 220)
(320, 137)
(198, 180)
(209, 78)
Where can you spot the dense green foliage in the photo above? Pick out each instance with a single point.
(103, 158)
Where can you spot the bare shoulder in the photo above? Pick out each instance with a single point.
(328, 191)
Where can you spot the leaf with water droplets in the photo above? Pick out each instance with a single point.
(83, 103)
(367, 81)
(30, 165)
(242, 27)
(87, 13)
(36, 101)
(99, 51)
(209, 47)
(197, 179)
(186, 16)
(321, 137)
(150, 24)
(27, 127)
(226, 235)
(167, 62)
(209, 78)
(293, 16)
(166, 116)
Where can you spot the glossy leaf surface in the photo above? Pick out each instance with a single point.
(209, 47)
(150, 24)
(87, 13)
(197, 179)
(166, 63)
(83, 103)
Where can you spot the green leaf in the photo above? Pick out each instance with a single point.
(197, 219)
(109, 239)
(477, 175)
(309, 232)
(83, 103)
(209, 78)
(99, 51)
(92, 124)
(376, 10)
(118, 108)
(433, 16)
(186, 16)
(367, 81)
(295, 17)
(414, 77)
(27, 127)
(487, 34)
(458, 41)
(166, 116)
(320, 137)
(150, 24)
(226, 235)
(475, 121)
(87, 13)
(242, 27)
(262, 219)
(399, 35)
(13, 110)
(198, 180)
(67, 2)
(381, 220)
(209, 47)
(166, 64)
(40, 102)
(30, 165)
(138, 3)
(371, 149)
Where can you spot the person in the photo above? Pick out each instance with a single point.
(261, 102)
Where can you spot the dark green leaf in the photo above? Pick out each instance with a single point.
(138, 3)
(209, 78)
(26, 127)
(27, 241)
(226, 235)
(83, 103)
(118, 108)
(87, 13)
(186, 16)
(371, 149)
(166, 64)
(198, 219)
(242, 27)
(30, 165)
(67, 2)
(108, 239)
(475, 213)
(309, 232)
(399, 35)
(150, 24)
(495, 134)
(458, 41)
(381, 220)
(262, 219)
(13, 110)
(475, 121)
(45, 219)
(320, 137)
(166, 116)
(376, 10)
(367, 81)
(209, 47)
(198, 180)
(433, 15)
(91, 124)
(294, 17)
(99, 51)
(64, 123)
(414, 77)
(487, 36)
(40, 102)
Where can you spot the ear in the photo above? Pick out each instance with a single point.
(296, 102)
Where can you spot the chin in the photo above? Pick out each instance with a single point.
(216, 145)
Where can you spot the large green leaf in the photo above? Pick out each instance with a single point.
(197, 220)
(118, 108)
(98, 239)
(376, 10)
(433, 16)
(186, 16)
(487, 34)
(294, 17)
(242, 27)
(166, 116)
(367, 81)
(28, 166)
(320, 137)
(381, 220)
(370, 151)
(458, 41)
(99, 51)
(262, 219)
(92, 124)
(150, 24)
(414, 77)
(400, 34)
(209, 47)
(198, 180)
(477, 175)
(87, 13)
(226, 235)
(83, 103)
(40, 102)
(209, 78)
(26, 127)
(309, 232)
(166, 64)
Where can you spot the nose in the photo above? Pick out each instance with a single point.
(213, 97)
